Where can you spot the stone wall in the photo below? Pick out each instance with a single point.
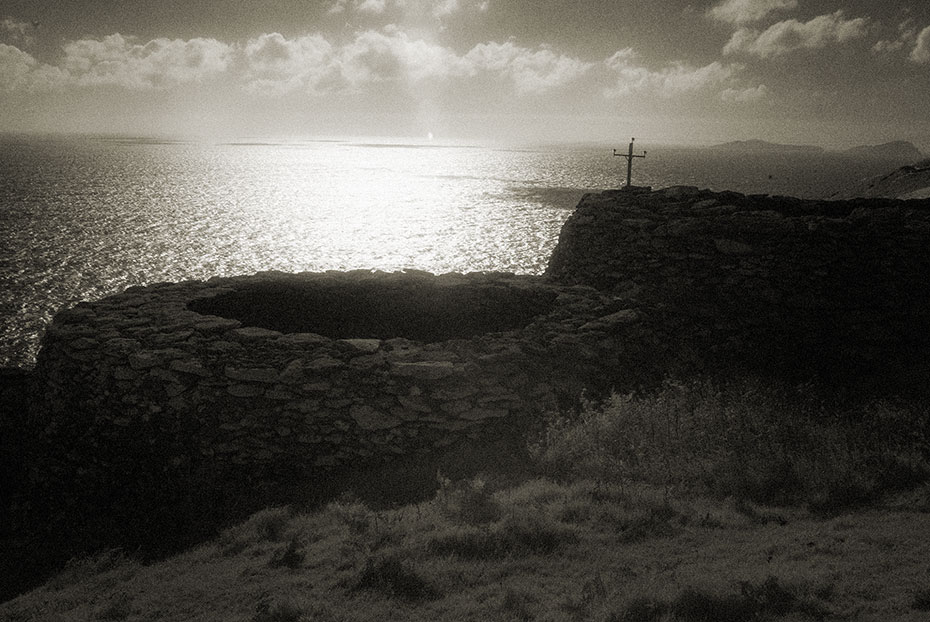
(167, 392)
(832, 290)
(174, 388)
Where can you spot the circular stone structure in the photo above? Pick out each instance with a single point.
(196, 380)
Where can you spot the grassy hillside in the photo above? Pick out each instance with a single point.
(700, 501)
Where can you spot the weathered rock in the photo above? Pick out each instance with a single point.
(370, 419)
(252, 374)
(425, 370)
(190, 366)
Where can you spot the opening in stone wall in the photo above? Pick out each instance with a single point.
(413, 309)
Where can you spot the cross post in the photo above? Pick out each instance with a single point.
(629, 162)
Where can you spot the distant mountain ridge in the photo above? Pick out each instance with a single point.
(899, 150)
(907, 182)
(896, 150)
(756, 145)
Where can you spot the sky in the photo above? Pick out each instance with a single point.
(826, 72)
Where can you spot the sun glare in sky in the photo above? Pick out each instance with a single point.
(829, 72)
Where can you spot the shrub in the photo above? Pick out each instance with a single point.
(283, 611)
(516, 605)
(647, 524)
(119, 607)
(289, 557)
(519, 534)
(921, 600)
(640, 609)
(468, 501)
(742, 439)
(697, 606)
(392, 577)
(269, 524)
(752, 602)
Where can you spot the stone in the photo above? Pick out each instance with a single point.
(164, 375)
(279, 394)
(367, 346)
(254, 333)
(455, 393)
(732, 247)
(424, 370)
(368, 361)
(483, 413)
(245, 390)
(304, 339)
(84, 343)
(679, 192)
(125, 373)
(265, 375)
(607, 322)
(143, 360)
(172, 337)
(192, 367)
(368, 418)
(324, 363)
(316, 387)
(415, 403)
(293, 373)
(120, 345)
(454, 408)
(173, 389)
(217, 325)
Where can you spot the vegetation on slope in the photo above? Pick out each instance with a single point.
(698, 502)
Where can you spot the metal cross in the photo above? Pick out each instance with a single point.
(629, 162)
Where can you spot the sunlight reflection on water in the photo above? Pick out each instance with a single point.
(84, 218)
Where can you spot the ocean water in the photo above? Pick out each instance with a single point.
(82, 218)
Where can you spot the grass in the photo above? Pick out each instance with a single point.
(746, 441)
(394, 578)
(771, 599)
(695, 503)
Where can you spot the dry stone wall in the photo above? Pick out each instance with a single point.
(836, 290)
(148, 390)
(173, 389)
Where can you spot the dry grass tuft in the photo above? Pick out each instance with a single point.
(395, 578)
(743, 440)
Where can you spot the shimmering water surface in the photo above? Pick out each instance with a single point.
(82, 218)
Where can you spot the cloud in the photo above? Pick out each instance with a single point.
(273, 64)
(921, 52)
(17, 32)
(746, 95)
(436, 8)
(339, 6)
(790, 35)
(377, 56)
(747, 11)
(907, 35)
(443, 8)
(161, 63)
(675, 79)
(373, 7)
(19, 71)
(531, 71)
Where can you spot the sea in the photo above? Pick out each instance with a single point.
(83, 217)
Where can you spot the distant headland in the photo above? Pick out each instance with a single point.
(900, 150)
